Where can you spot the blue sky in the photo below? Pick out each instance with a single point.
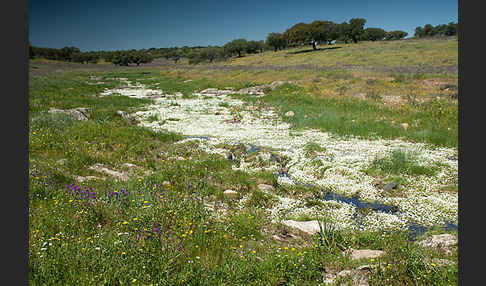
(115, 25)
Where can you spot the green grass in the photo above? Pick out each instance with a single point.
(436, 121)
(159, 233)
(400, 162)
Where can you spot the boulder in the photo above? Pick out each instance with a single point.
(439, 241)
(392, 185)
(266, 188)
(80, 113)
(230, 194)
(309, 227)
(357, 254)
(102, 169)
(289, 113)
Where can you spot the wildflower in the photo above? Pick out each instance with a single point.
(372, 259)
(241, 246)
(135, 219)
(293, 249)
(253, 252)
(125, 222)
(123, 253)
(134, 280)
(197, 246)
(433, 264)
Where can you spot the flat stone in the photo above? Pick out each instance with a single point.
(129, 165)
(356, 254)
(102, 169)
(309, 227)
(230, 193)
(289, 113)
(390, 186)
(266, 188)
(76, 113)
(439, 241)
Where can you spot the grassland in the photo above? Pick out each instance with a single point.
(162, 226)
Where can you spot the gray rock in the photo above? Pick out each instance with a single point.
(448, 87)
(441, 241)
(309, 227)
(126, 116)
(289, 113)
(392, 185)
(80, 113)
(356, 254)
(102, 169)
(266, 188)
(230, 194)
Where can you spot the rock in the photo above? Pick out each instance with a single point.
(343, 273)
(129, 165)
(404, 125)
(102, 169)
(448, 87)
(289, 113)
(230, 193)
(166, 184)
(439, 261)
(87, 178)
(76, 113)
(189, 80)
(266, 188)
(356, 254)
(357, 277)
(209, 91)
(126, 116)
(309, 227)
(441, 241)
(392, 185)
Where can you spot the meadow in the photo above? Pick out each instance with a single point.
(134, 200)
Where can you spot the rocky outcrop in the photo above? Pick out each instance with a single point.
(80, 113)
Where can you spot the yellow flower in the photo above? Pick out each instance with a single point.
(372, 259)
(197, 246)
(134, 280)
(433, 264)
(241, 246)
(253, 252)
(293, 249)
(135, 219)
(125, 222)
(123, 253)
(225, 236)
(286, 248)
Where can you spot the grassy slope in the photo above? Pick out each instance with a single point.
(111, 241)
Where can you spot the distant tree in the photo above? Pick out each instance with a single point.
(395, 35)
(345, 32)
(175, 55)
(31, 52)
(428, 30)
(276, 41)
(298, 34)
(373, 34)
(237, 46)
(419, 32)
(254, 47)
(452, 29)
(356, 28)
